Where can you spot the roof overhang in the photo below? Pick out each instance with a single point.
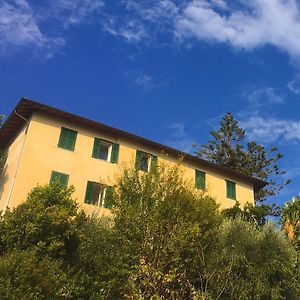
(26, 107)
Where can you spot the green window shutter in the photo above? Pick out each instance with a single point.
(59, 177)
(231, 189)
(108, 201)
(114, 153)
(64, 178)
(62, 138)
(96, 148)
(200, 178)
(153, 165)
(88, 193)
(138, 159)
(67, 139)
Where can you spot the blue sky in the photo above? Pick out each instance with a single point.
(167, 70)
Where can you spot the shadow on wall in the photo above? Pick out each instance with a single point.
(3, 171)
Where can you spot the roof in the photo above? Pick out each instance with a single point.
(26, 107)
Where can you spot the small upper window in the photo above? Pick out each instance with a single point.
(231, 189)
(61, 178)
(144, 161)
(98, 194)
(200, 180)
(106, 150)
(67, 139)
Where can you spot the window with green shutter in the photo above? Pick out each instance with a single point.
(67, 139)
(231, 189)
(153, 164)
(200, 180)
(59, 177)
(105, 150)
(114, 153)
(98, 194)
(145, 161)
(108, 198)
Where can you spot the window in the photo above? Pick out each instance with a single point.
(67, 139)
(106, 150)
(231, 189)
(99, 194)
(59, 177)
(144, 161)
(199, 180)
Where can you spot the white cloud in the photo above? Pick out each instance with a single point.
(140, 79)
(20, 22)
(294, 85)
(71, 12)
(250, 25)
(257, 118)
(241, 24)
(180, 139)
(262, 98)
(131, 31)
(159, 11)
(18, 27)
(145, 19)
(270, 129)
(144, 80)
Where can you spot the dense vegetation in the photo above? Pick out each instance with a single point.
(164, 241)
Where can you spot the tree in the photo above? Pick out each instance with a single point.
(25, 276)
(175, 244)
(251, 213)
(39, 242)
(165, 240)
(252, 262)
(290, 220)
(46, 223)
(229, 148)
(158, 218)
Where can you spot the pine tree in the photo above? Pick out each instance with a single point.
(229, 148)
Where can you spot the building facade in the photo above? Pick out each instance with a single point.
(46, 144)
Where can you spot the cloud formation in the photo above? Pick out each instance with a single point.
(294, 85)
(18, 28)
(70, 12)
(269, 130)
(20, 23)
(262, 99)
(259, 121)
(180, 139)
(246, 25)
(241, 24)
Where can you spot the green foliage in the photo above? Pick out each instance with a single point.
(228, 147)
(46, 223)
(165, 240)
(24, 276)
(251, 213)
(253, 262)
(157, 218)
(290, 220)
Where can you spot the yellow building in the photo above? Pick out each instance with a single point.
(45, 143)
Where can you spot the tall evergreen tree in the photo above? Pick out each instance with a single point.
(229, 148)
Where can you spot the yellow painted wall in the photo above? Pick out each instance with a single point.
(9, 177)
(41, 156)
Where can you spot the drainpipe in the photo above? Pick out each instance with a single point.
(18, 164)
